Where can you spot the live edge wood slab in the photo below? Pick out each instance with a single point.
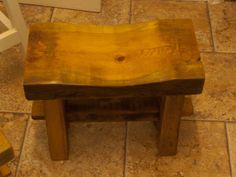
(155, 58)
(135, 70)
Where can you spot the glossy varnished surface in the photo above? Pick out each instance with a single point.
(160, 53)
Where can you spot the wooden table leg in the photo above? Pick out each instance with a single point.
(171, 109)
(56, 129)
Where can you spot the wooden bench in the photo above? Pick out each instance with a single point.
(6, 155)
(76, 68)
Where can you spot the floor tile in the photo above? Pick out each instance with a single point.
(215, 1)
(113, 12)
(223, 19)
(201, 151)
(32, 13)
(96, 150)
(231, 128)
(3, 10)
(144, 10)
(13, 126)
(190, 0)
(12, 97)
(209, 1)
(217, 102)
(36, 14)
(11, 65)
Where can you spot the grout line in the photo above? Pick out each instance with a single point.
(13, 112)
(218, 52)
(126, 149)
(210, 24)
(52, 15)
(197, 1)
(130, 12)
(189, 1)
(36, 5)
(23, 145)
(182, 119)
(228, 149)
(205, 120)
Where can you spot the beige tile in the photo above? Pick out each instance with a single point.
(201, 151)
(113, 12)
(191, 0)
(209, 1)
(231, 128)
(11, 66)
(32, 13)
(215, 1)
(11, 82)
(144, 10)
(13, 126)
(96, 149)
(2, 9)
(217, 102)
(11, 79)
(223, 19)
(36, 14)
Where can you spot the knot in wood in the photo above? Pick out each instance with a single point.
(119, 58)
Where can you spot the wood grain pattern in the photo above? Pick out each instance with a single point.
(56, 129)
(155, 58)
(171, 110)
(6, 150)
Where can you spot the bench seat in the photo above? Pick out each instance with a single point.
(154, 58)
(125, 72)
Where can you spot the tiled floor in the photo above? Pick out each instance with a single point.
(207, 145)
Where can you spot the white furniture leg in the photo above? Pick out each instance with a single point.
(5, 21)
(9, 39)
(18, 24)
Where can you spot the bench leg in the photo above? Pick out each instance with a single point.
(56, 129)
(170, 113)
